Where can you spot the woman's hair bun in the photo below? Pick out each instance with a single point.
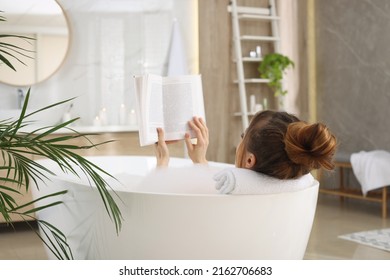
(310, 145)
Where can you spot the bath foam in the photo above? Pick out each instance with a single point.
(196, 179)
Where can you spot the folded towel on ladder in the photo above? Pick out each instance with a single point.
(372, 169)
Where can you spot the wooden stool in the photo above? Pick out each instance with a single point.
(342, 162)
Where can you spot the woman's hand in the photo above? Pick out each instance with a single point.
(197, 152)
(161, 149)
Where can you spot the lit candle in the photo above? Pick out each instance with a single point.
(103, 116)
(132, 118)
(96, 121)
(122, 115)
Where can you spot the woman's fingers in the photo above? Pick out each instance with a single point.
(199, 127)
(197, 152)
(161, 149)
(161, 135)
(203, 127)
(187, 140)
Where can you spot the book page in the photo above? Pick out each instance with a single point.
(154, 105)
(183, 99)
(148, 92)
(169, 103)
(178, 107)
(140, 107)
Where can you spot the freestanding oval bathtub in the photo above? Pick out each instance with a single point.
(178, 225)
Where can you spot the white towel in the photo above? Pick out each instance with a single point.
(372, 169)
(245, 181)
(177, 58)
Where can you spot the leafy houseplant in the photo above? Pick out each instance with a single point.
(272, 67)
(18, 170)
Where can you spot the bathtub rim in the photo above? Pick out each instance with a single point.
(63, 183)
(74, 180)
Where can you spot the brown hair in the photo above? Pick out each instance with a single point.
(286, 147)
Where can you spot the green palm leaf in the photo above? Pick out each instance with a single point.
(16, 149)
(51, 236)
(18, 170)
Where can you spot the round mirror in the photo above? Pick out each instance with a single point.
(41, 41)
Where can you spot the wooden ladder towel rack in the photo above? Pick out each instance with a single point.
(243, 13)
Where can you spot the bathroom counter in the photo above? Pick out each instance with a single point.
(101, 129)
(87, 129)
(119, 140)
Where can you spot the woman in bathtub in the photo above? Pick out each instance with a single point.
(276, 144)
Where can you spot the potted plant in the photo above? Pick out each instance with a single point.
(273, 67)
(18, 170)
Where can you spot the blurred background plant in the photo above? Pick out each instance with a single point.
(273, 67)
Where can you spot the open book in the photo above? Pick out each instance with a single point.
(169, 103)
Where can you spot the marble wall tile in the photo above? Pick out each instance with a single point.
(353, 71)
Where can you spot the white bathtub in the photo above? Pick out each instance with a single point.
(179, 226)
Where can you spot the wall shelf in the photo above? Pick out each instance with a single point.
(259, 38)
(254, 81)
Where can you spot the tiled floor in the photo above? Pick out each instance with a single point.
(21, 244)
(332, 220)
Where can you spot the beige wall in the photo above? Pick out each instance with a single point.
(22, 73)
(42, 56)
(218, 71)
(51, 52)
(214, 65)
